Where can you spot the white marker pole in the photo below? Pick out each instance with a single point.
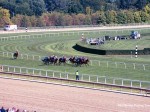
(136, 51)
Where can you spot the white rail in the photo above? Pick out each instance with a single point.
(83, 77)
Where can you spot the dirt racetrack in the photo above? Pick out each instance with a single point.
(56, 98)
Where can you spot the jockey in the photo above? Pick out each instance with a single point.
(82, 58)
(17, 52)
(55, 57)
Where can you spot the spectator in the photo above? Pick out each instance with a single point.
(2, 109)
(77, 75)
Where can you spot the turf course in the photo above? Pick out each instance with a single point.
(61, 43)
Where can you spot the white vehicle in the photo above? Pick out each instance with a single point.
(10, 27)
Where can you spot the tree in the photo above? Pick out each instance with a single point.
(25, 22)
(89, 11)
(147, 9)
(130, 16)
(4, 17)
(67, 20)
(95, 17)
(24, 9)
(88, 20)
(144, 16)
(141, 4)
(137, 17)
(102, 18)
(110, 17)
(74, 7)
(17, 19)
(121, 17)
(37, 6)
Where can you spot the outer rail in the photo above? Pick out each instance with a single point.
(141, 91)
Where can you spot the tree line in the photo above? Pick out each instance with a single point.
(41, 13)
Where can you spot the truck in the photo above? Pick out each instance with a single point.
(10, 27)
(135, 35)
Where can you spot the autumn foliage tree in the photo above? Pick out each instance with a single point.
(4, 17)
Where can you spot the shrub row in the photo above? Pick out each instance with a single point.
(145, 51)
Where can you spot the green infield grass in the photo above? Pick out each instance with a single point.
(61, 43)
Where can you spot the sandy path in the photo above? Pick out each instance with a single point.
(55, 98)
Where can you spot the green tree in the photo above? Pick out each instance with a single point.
(144, 16)
(121, 17)
(102, 18)
(74, 7)
(130, 16)
(147, 9)
(37, 6)
(137, 17)
(110, 17)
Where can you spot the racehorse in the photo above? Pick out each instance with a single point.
(78, 61)
(53, 60)
(62, 60)
(15, 55)
(46, 60)
(85, 61)
(72, 60)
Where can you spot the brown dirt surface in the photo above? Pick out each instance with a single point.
(56, 98)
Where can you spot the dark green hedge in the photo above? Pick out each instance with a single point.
(145, 51)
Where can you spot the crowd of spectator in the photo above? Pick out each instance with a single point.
(13, 109)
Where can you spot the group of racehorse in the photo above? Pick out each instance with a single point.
(53, 60)
(77, 61)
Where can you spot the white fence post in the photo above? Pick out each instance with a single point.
(97, 78)
(21, 56)
(39, 58)
(105, 80)
(33, 57)
(134, 65)
(27, 57)
(122, 82)
(40, 72)
(116, 64)
(46, 73)
(14, 69)
(20, 70)
(89, 78)
(53, 74)
(107, 64)
(140, 85)
(125, 65)
(26, 70)
(114, 81)
(144, 67)
(33, 71)
(8, 68)
(99, 63)
(60, 75)
(131, 83)
(12, 55)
